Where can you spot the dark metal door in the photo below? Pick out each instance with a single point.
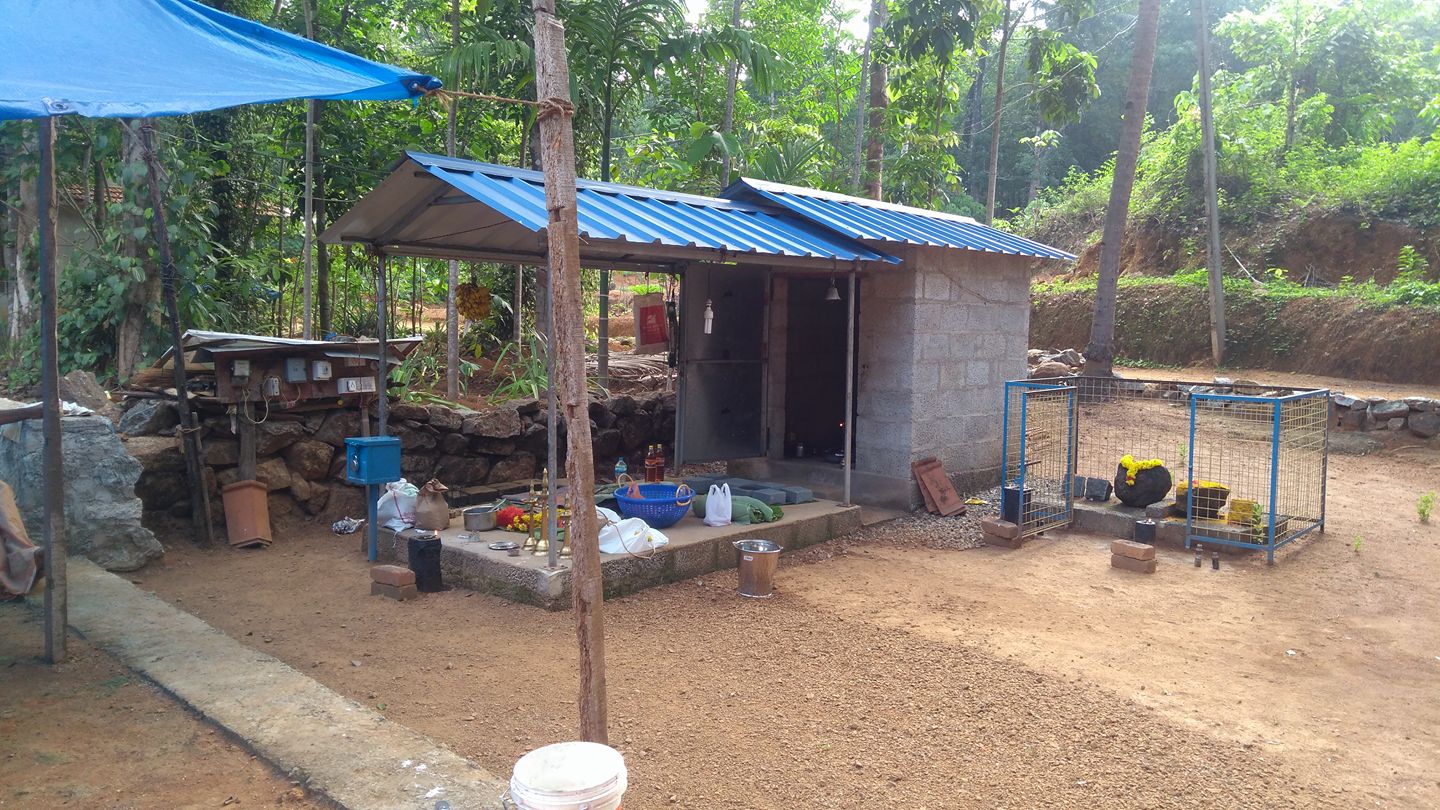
(722, 374)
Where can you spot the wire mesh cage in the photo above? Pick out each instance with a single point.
(1247, 461)
(1038, 491)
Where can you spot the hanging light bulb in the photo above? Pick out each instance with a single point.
(832, 294)
(709, 316)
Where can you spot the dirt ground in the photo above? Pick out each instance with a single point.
(91, 734)
(924, 678)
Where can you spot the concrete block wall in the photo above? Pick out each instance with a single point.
(971, 334)
(886, 372)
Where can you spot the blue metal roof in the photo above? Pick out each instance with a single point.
(610, 211)
(876, 221)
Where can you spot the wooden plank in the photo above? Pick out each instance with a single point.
(915, 467)
(947, 501)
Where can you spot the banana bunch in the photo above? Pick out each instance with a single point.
(472, 301)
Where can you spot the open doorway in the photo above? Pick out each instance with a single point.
(815, 369)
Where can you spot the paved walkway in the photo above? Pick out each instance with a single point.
(334, 745)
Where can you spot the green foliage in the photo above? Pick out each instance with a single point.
(1425, 506)
(423, 370)
(525, 375)
(646, 289)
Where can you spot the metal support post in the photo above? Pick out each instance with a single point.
(382, 369)
(849, 387)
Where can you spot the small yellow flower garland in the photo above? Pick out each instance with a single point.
(1132, 467)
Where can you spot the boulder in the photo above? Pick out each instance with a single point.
(222, 452)
(1424, 424)
(1389, 409)
(1343, 401)
(1052, 368)
(518, 467)
(272, 436)
(501, 423)
(161, 490)
(600, 415)
(417, 467)
(622, 405)
(534, 440)
(1151, 485)
(606, 444)
(409, 410)
(492, 447)
(453, 444)
(413, 436)
(156, 454)
(1349, 420)
(273, 473)
(148, 417)
(1070, 357)
(312, 497)
(462, 471)
(102, 512)
(528, 406)
(309, 459)
(1422, 404)
(1034, 356)
(633, 432)
(312, 421)
(443, 418)
(338, 426)
(81, 388)
(1395, 423)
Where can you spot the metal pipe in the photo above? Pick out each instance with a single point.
(849, 387)
(56, 613)
(552, 432)
(382, 370)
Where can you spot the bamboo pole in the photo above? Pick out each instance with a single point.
(452, 278)
(305, 317)
(56, 590)
(557, 150)
(189, 425)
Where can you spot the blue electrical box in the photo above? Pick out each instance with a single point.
(372, 459)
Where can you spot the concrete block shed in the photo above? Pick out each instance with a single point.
(939, 313)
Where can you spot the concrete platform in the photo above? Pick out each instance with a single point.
(694, 549)
(1114, 519)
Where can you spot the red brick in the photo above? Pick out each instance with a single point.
(1132, 549)
(999, 528)
(1003, 542)
(1132, 564)
(399, 593)
(392, 575)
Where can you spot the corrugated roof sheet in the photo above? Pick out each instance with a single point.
(610, 211)
(876, 221)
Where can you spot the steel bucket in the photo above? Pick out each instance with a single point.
(480, 518)
(757, 561)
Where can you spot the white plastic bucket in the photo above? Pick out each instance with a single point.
(569, 776)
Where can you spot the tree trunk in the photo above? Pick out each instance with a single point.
(1005, 31)
(732, 79)
(557, 142)
(139, 296)
(452, 268)
(879, 103)
(857, 160)
(1212, 199)
(1100, 353)
(22, 303)
(602, 352)
(306, 320)
(972, 104)
(322, 252)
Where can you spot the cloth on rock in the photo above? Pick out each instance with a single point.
(19, 558)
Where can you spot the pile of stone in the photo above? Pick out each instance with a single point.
(1046, 363)
(1419, 415)
(300, 457)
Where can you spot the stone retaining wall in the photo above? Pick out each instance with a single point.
(300, 457)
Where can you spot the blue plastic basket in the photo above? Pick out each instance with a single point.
(659, 505)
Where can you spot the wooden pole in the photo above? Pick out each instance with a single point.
(189, 425)
(56, 601)
(557, 159)
(1212, 200)
(850, 303)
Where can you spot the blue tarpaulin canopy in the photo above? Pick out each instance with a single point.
(144, 58)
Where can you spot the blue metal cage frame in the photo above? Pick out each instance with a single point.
(1055, 503)
(1279, 527)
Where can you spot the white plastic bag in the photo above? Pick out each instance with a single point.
(631, 535)
(718, 505)
(396, 509)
